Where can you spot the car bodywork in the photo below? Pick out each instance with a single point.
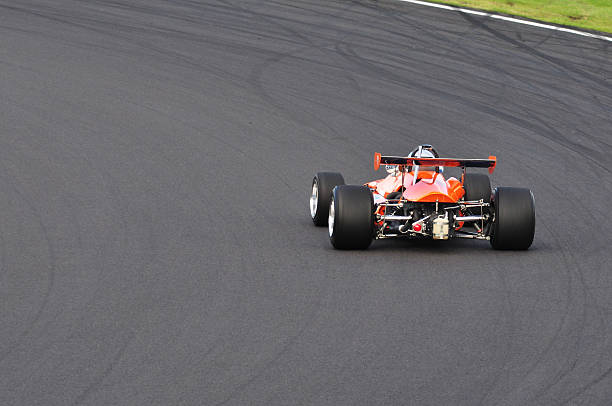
(415, 202)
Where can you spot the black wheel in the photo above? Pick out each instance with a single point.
(351, 217)
(477, 186)
(514, 224)
(322, 186)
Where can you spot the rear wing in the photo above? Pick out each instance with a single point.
(451, 162)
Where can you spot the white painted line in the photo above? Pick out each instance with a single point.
(511, 19)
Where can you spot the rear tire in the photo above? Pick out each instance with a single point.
(351, 217)
(514, 224)
(477, 186)
(322, 186)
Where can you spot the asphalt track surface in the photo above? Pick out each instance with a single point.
(155, 241)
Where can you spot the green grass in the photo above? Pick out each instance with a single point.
(589, 14)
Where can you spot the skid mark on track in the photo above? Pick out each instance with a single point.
(50, 269)
(97, 383)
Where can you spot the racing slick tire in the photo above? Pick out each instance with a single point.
(514, 225)
(351, 217)
(322, 186)
(477, 186)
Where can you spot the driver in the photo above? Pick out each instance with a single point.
(424, 151)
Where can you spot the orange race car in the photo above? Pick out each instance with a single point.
(416, 200)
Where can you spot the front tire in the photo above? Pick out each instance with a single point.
(322, 186)
(351, 217)
(514, 224)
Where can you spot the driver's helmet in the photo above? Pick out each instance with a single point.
(425, 151)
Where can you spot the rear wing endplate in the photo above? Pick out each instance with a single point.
(451, 162)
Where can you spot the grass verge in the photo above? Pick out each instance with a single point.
(588, 14)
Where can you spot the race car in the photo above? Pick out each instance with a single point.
(415, 200)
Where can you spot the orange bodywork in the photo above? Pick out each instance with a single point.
(430, 187)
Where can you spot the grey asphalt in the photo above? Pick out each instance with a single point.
(155, 241)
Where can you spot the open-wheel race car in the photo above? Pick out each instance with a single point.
(415, 200)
